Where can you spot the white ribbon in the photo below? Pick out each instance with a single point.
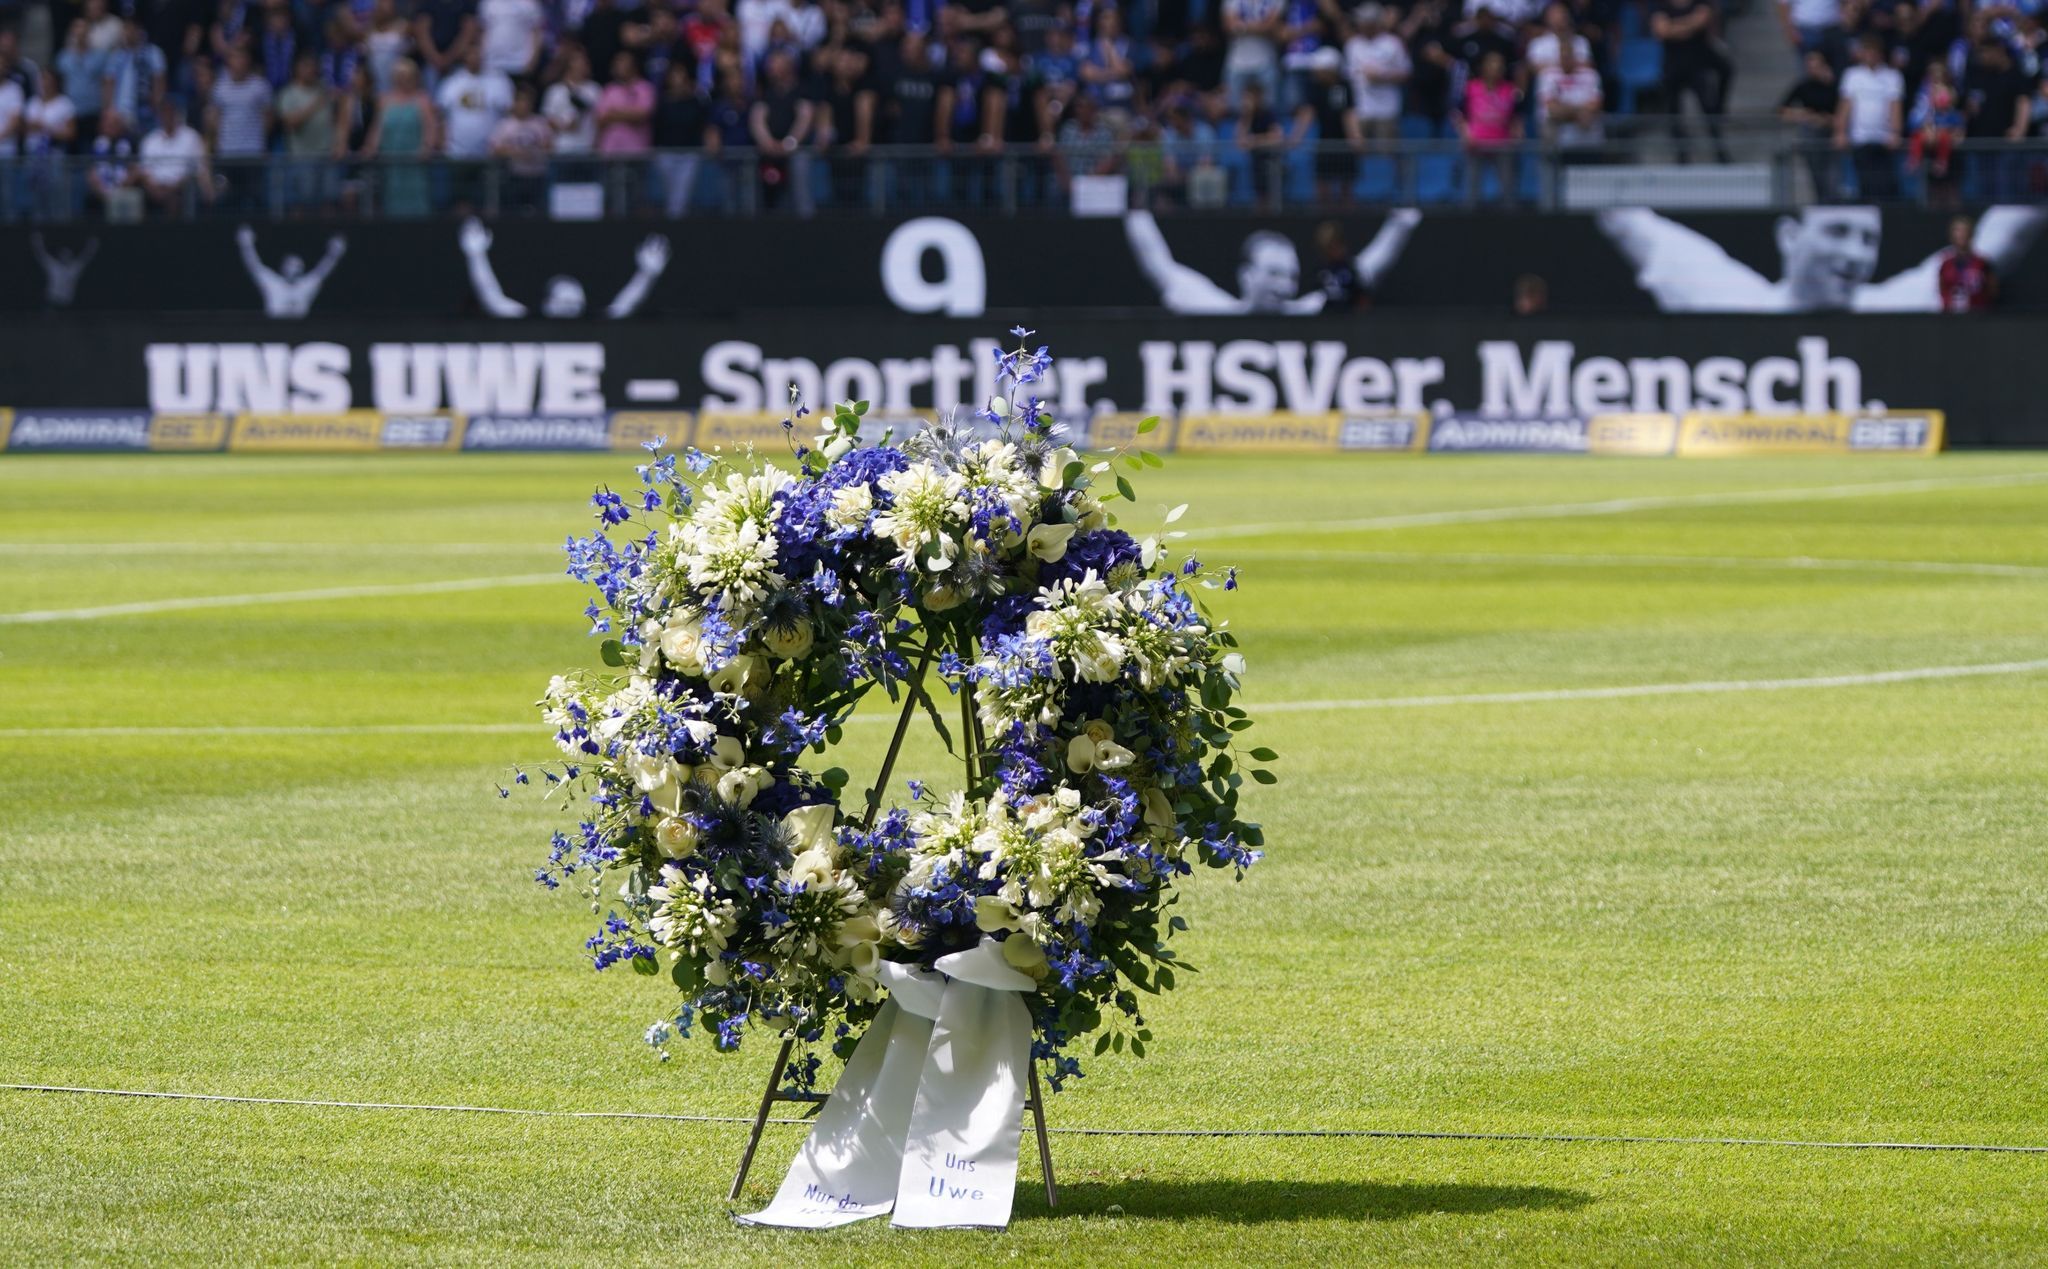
(928, 1116)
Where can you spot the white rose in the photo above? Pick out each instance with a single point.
(1049, 541)
(682, 644)
(1098, 730)
(811, 826)
(791, 642)
(1038, 623)
(676, 837)
(716, 974)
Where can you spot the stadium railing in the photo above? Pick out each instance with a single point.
(1748, 165)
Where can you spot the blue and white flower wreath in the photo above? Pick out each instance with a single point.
(750, 607)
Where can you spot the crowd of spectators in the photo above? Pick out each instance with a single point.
(1895, 87)
(177, 99)
(178, 102)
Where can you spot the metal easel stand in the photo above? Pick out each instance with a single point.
(1034, 1106)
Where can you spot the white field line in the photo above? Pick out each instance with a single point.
(1876, 678)
(1794, 563)
(1614, 506)
(279, 597)
(1915, 675)
(1435, 1134)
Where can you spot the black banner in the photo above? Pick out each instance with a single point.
(1378, 364)
(1631, 261)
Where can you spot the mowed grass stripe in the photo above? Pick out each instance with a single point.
(1816, 915)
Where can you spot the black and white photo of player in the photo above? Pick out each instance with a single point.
(61, 268)
(565, 298)
(290, 289)
(1830, 261)
(1268, 272)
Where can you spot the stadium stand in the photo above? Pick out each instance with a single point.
(410, 108)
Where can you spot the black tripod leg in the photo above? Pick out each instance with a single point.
(1052, 1193)
(761, 1118)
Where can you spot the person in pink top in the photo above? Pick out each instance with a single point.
(625, 110)
(1490, 123)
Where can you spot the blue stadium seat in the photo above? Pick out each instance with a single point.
(1639, 66)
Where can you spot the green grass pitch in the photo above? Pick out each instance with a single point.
(1817, 913)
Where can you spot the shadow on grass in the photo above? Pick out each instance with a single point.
(1252, 1202)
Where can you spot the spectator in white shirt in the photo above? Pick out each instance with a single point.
(472, 100)
(1376, 61)
(1542, 53)
(49, 122)
(1867, 121)
(1811, 26)
(241, 109)
(570, 106)
(173, 160)
(511, 34)
(1514, 13)
(1253, 56)
(757, 18)
(1569, 100)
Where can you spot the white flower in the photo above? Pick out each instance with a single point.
(811, 826)
(993, 913)
(1158, 809)
(745, 674)
(1049, 541)
(1052, 474)
(649, 771)
(812, 869)
(851, 507)
(838, 448)
(1025, 955)
(930, 505)
(791, 642)
(741, 785)
(941, 598)
(727, 753)
(676, 837)
(682, 644)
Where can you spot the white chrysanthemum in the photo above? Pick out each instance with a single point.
(930, 508)
(742, 500)
(737, 567)
(851, 507)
